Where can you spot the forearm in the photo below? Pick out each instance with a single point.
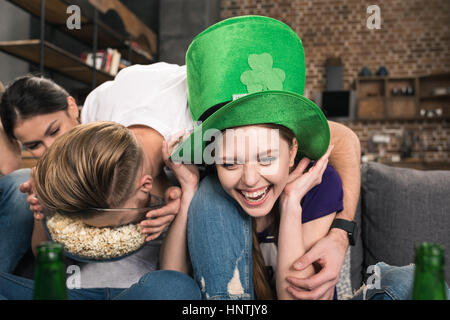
(10, 160)
(38, 235)
(173, 254)
(346, 159)
(291, 246)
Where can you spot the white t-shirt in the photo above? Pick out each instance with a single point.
(153, 95)
(122, 273)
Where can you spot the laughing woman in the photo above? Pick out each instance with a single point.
(266, 187)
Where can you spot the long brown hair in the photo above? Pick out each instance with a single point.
(261, 282)
(94, 165)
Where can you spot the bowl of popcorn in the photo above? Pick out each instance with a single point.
(87, 243)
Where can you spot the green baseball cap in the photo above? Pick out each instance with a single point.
(250, 70)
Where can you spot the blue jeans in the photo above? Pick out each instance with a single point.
(220, 244)
(16, 220)
(157, 285)
(396, 283)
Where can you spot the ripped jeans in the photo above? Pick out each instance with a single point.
(220, 244)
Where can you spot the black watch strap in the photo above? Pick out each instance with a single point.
(348, 226)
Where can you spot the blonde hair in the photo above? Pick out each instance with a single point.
(94, 165)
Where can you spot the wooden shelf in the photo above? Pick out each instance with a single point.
(56, 15)
(377, 101)
(56, 59)
(440, 96)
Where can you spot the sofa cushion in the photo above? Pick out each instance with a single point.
(401, 208)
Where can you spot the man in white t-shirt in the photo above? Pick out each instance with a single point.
(150, 95)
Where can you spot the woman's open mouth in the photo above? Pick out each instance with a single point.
(257, 197)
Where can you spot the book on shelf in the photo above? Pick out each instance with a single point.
(88, 57)
(108, 60)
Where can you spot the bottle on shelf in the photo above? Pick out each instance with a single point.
(49, 275)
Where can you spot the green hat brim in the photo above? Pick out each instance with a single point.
(288, 109)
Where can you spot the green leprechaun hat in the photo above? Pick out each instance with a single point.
(250, 70)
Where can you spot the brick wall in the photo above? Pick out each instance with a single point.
(414, 39)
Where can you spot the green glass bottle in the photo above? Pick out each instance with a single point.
(429, 281)
(49, 274)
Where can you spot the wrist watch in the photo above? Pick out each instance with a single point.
(348, 226)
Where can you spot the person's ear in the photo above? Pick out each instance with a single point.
(293, 152)
(146, 183)
(72, 108)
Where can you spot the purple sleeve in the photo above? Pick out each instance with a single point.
(324, 198)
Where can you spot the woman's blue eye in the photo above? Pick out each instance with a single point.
(267, 160)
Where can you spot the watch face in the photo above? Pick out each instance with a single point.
(351, 239)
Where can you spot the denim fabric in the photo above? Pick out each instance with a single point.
(16, 220)
(396, 283)
(220, 242)
(158, 285)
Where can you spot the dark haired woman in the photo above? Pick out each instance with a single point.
(34, 111)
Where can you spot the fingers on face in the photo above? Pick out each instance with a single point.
(170, 208)
(299, 170)
(172, 193)
(161, 221)
(153, 230)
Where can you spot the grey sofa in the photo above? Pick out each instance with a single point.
(398, 209)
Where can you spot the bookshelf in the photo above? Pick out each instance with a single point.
(402, 98)
(57, 59)
(93, 33)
